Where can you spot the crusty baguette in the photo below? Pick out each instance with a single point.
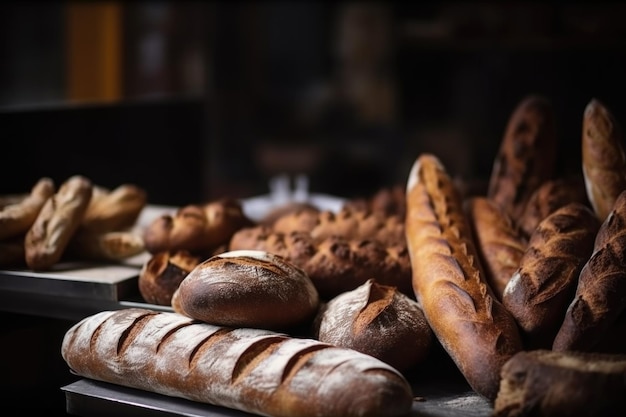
(499, 243)
(527, 155)
(544, 383)
(56, 223)
(253, 370)
(378, 320)
(471, 324)
(334, 264)
(600, 297)
(105, 246)
(116, 210)
(16, 218)
(541, 289)
(603, 157)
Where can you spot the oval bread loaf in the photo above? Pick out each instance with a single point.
(248, 289)
(252, 370)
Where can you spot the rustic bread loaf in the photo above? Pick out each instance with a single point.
(544, 383)
(499, 243)
(116, 210)
(548, 197)
(377, 320)
(56, 223)
(334, 264)
(161, 275)
(600, 298)
(112, 246)
(198, 229)
(527, 155)
(17, 217)
(253, 370)
(603, 158)
(467, 319)
(542, 288)
(249, 289)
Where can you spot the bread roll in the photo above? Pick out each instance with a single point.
(527, 155)
(603, 158)
(16, 218)
(499, 243)
(253, 370)
(162, 274)
(600, 297)
(198, 229)
(334, 264)
(541, 289)
(471, 324)
(249, 289)
(56, 223)
(543, 383)
(377, 320)
(116, 210)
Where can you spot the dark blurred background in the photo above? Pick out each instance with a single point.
(196, 100)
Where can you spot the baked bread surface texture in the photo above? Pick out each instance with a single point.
(252, 370)
(16, 218)
(472, 326)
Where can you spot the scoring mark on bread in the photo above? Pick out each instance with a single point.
(254, 355)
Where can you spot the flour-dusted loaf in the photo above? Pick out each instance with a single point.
(253, 370)
(249, 289)
(542, 288)
(544, 383)
(378, 320)
(478, 333)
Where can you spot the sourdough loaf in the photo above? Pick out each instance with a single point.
(252, 370)
(162, 274)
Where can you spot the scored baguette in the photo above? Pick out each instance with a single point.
(472, 326)
(253, 370)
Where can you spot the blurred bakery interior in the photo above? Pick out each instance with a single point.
(196, 100)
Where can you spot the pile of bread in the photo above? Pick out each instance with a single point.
(316, 313)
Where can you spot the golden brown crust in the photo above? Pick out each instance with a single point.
(603, 158)
(499, 243)
(527, 155)
(377, 320)
(199, 229)
(162, 274)
(472, 326)
(542, 288)
(111, 211)
(548, 197)
(112, 246)
(600, 298)
(18, 216)
(57, 222)
(334, 264)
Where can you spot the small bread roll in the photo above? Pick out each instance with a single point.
(249, 289)
(161, 275)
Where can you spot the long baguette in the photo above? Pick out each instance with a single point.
(472, 326)
(253, 370)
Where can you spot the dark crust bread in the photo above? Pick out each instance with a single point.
(161, 275)
(18, 216)
(562, 384)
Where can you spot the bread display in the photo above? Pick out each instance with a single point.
(56, 223)
(377, 320)
(544, 383)
(252, 370)
(18, 216)
(527, 155)
(249, 289)
(198, 229)
(334, 264)
(162, 274)
(603, 158)
(478, 333)
(600, 299)
(499, 243)
(541, 289)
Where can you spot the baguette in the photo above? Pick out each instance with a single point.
(471, 324)
(111, 246)
(603, 158)
(527, 156)
(541, 289)
(116, 210)
(253, 370)
(57, 222)
(600, 298)
(16, 218)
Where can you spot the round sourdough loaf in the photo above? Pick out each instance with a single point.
(249, 288)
